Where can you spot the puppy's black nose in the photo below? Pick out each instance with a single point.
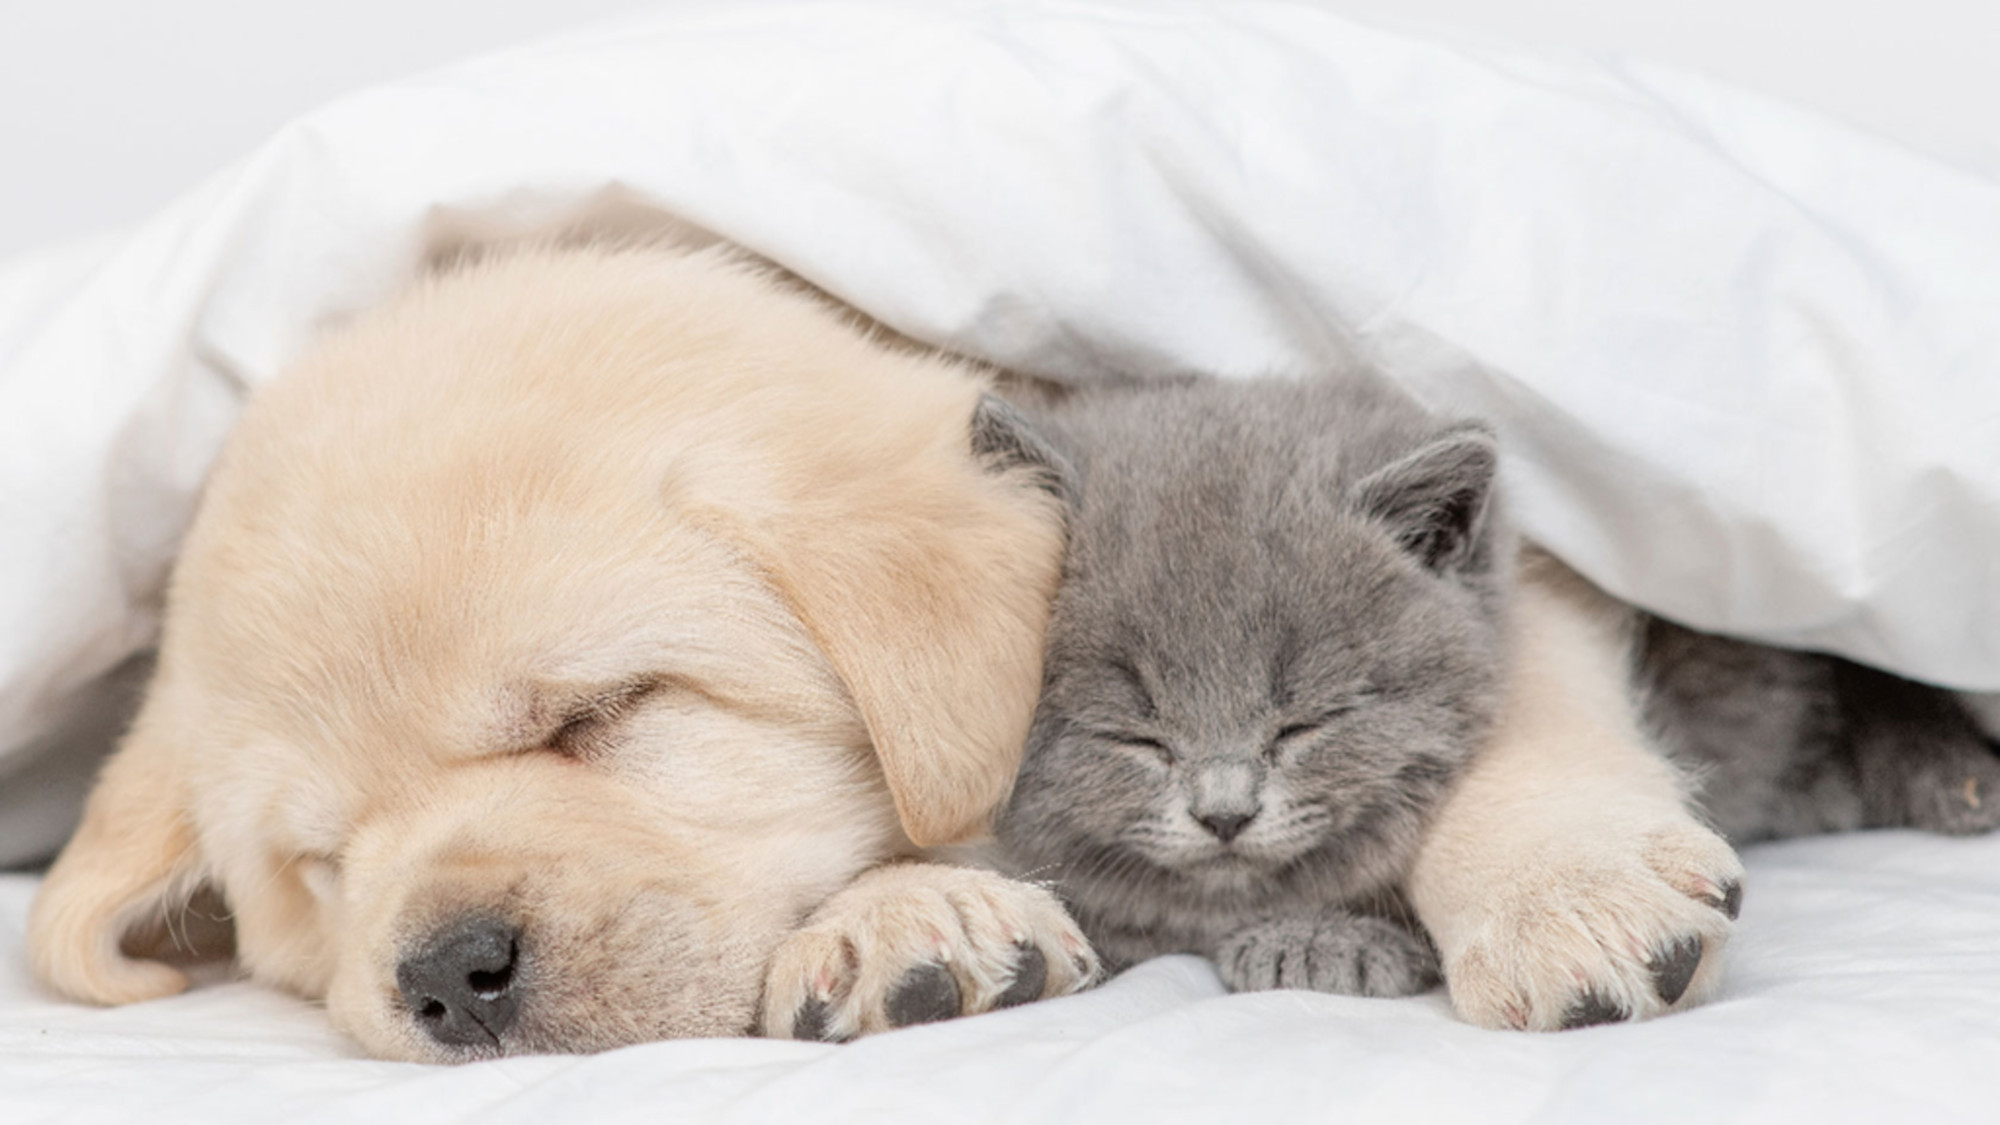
(1225, 826)
(460, 986)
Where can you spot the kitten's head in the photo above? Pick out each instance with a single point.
(1279, 637)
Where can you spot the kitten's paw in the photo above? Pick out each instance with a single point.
(913, 943)
(1336, 951)
(1596, 927)
(1958, 794)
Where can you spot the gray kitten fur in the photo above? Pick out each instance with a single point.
(1788, 743)
(1278, 638)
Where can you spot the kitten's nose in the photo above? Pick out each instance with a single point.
(1226, 826)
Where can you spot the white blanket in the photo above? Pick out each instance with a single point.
(1864, 986)
(1746, 363)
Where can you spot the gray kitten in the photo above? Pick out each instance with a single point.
(1785, 743)
(1279, 638)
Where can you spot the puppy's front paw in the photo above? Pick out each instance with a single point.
(913, 943)
(1335, 951)
(1599, 925)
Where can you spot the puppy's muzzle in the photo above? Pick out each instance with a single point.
(461, 985)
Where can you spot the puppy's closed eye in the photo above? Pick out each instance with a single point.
(574, 737)
(586, 727)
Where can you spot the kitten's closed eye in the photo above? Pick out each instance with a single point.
(1158, 750)
(1297, 734)
(1302, 733)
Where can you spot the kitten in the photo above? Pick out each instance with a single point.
(1279, 638)
(1783, 743)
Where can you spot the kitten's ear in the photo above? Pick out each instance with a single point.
(1004, 441)
(1436, 500)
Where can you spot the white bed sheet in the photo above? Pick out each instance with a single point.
(1864, 986)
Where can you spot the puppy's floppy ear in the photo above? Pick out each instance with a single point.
(927, 579)
(133, 861)
(1436, 500)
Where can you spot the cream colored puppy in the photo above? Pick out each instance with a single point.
(1564, 881)
(552, 651)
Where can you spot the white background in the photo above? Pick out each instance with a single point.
(110, 108)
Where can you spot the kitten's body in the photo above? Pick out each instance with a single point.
(1271, 654)
(1785, 743)
(1280, 639)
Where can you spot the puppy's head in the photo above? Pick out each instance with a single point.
(550, 641)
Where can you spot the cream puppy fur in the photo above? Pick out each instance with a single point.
(1565, 861)
(554, 654)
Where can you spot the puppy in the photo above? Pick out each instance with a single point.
(557, 656)
(1566, 880)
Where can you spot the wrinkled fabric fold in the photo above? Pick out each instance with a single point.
(1746, 361)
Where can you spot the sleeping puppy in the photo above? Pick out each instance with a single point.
(557, 659)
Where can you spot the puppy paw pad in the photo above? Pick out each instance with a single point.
(1031, 977)
(813, 1021)
(1591, 1010)
(1730, 901)
(1673, 968)
(925, 994)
